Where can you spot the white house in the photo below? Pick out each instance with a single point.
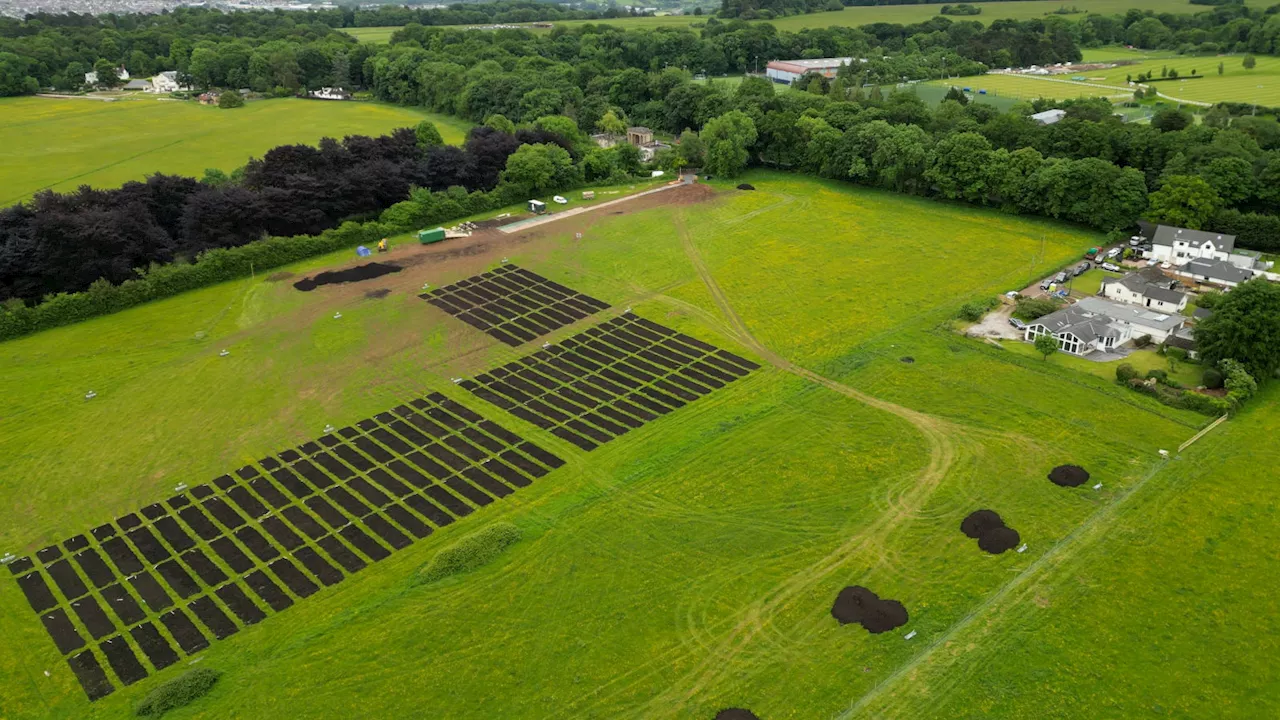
(1214, 272)
(329, 93)
(1095, 324)
(1147, 287)
(91, 78)
(167, 82)
(1178, 245)
(1049, 117)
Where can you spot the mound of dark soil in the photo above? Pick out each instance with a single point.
(907, 359)
(746, 186)
(989, 530)
(856, 604)
(979, 522)
(998, 539)
(736, 714)
(1068, 475)
(368, 271)
(379, 293)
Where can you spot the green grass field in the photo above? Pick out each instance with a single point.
(105, 144)
(1260, 85)
(691, 564)
(903, 14)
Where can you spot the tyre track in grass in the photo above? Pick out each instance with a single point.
(755, 620)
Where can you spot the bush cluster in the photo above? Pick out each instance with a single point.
(973, 310)
(469, 553)
(1179, 398)
(182, 690)
(1030, 308)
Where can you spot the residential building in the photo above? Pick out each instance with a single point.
(209, 98)
(1147, 287)
(329, 93)
(642, 137)
(607, 140)
(1214, 272)
(1095, 324)
(91, 78)
(137, 84)
(167, 82)
(1178, 245)
(1049, 117)
(786, 72)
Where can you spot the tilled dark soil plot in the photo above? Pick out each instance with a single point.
(368, 271)
(736, 714)
(856, 604)
(1068, 475)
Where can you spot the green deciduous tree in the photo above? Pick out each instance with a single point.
(1185, 201)
(959, 167)
(1046, 345)
(14, 76)
(230, 99)
(540, 168)
(108, 75)
(500, 123)
(1244, 326)
(1249, 62)
(427, 134)
(727, 138)
(611, 123)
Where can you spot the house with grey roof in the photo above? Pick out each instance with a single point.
(1095, 324)
(1147, 287)
(1177, 245)
(1049, 117)
(1214, 272)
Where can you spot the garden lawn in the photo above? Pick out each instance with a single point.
(60, 144)
(1186, 373)
(1090, 281)
(684, 567)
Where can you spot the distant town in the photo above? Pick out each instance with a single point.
(22, 8)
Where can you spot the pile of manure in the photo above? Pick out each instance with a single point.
(1068, 475)
(989, 530)
(856, 604)
(367, 271)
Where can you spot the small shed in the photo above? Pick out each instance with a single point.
(537, 206)
(426, 237)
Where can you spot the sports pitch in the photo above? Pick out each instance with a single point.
(105, 144)
(1260, 85)
(689, 563)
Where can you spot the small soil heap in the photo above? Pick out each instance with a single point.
(1068, 476)
(989, 530)
(736, 714)
(746, 186)
(856, 604)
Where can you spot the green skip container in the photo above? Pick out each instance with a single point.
(427, 237)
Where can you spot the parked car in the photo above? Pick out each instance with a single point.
(1060, 277)
(1114, 253)
(1111, 266)
(1081, 268)
(1047, 282)
(1017, 323)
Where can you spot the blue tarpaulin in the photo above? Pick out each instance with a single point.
(363, 251)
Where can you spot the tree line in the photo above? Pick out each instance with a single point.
(64, 242)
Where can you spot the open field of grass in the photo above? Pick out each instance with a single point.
(1112, 53)
(1236, 84)
(903, 14)
(690, 564)
(105, 144)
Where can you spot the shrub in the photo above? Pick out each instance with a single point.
(230, 99)
(1030, 308)
(182, 690)
(1176, 353)
(469, 553)
(1204, 404)
(1142, 341)
(1208, 299)
(1212, 378)
(1159, 375)
(1125, 372)
(973, 310)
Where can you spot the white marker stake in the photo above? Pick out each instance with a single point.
(224, 353)
(1098, 486)
(1023, 548)
(90, 395)
(328, 429)
(910, 635)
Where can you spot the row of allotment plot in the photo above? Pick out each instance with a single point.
(227, 554)
(609, 379)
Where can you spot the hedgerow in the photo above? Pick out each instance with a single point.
(182, 690)
(469, 553)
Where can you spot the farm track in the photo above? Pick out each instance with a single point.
(756, 619)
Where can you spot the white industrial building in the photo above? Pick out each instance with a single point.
(786, 72)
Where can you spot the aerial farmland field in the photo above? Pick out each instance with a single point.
(105, 144)
(864, 15)
(834, 433)
(1260, 85)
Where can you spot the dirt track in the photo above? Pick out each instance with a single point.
(755, 619)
